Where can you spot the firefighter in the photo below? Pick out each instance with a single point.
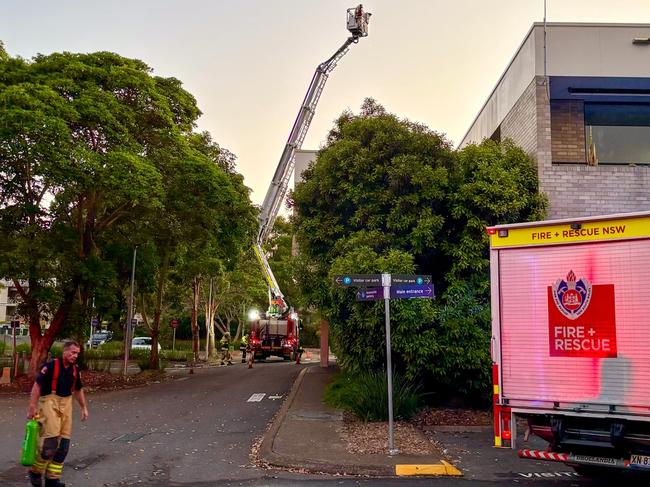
(225, 349)
(51, 404)
(244, 347)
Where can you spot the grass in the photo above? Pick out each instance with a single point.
(366, 395)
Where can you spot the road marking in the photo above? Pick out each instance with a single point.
(442, 468)
(257, 397)
(273, 398)
(547, 475)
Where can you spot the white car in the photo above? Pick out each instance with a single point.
(142, 343)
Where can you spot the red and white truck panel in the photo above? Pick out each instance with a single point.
(571, 337)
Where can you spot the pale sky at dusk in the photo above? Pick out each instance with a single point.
(249, 62)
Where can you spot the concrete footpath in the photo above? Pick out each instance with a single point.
(307, 434)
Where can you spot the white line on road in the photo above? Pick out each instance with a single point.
(275, 397)
(257, 397)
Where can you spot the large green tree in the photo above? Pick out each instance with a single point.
(98, 155)
(389, 195)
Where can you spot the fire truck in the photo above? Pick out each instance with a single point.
(571, 340)
(277, 331)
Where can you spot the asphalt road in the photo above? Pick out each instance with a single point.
(198, 430)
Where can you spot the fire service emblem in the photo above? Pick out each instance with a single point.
(572, 296)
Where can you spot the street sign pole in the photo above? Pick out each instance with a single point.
(174, 341)
(385, 278)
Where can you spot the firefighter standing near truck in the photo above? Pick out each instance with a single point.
(225, 349)
(244, 347)
(51, 404)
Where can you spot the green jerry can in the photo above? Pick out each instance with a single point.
(30, 443)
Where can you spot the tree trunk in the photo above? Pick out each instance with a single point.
(41, 344)
(154, 363)
(196, 290)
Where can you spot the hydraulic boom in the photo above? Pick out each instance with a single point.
(357, 24)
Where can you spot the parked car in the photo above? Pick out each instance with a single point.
(99, 338)
(142, 343)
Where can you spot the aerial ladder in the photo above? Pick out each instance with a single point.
(279, 310)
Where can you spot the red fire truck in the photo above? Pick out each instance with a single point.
(571, 340)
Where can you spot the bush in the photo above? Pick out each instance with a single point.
(3, 348)
(24, 347)
(176, 355)
(366, 395)
(103, 353)
(143, 359)
(98, 365)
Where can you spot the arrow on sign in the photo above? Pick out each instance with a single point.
(370, 294)
(410, 279)
(411, 291)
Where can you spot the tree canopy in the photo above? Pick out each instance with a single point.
(98, 155)
(390, 195)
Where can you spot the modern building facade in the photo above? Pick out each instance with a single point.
(577, 98)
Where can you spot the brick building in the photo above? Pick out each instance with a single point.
(579, 103)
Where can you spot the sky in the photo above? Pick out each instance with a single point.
(249, 62)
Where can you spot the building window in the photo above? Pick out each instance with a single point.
(617, 133)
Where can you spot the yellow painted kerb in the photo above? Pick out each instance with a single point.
(442, 468)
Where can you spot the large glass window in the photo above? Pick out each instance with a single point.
(617, 133)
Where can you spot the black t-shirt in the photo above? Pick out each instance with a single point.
(64, 381)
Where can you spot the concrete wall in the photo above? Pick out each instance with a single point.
(571, 50)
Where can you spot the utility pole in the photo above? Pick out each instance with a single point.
(129, 315)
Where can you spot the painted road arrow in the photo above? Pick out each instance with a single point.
(412, 291)
(358, 280)
(401, 279)
(370, 294)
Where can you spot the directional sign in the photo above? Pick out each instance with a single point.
(358, 280)
(400, 279)
(370, 294)
(412, 291)
(95, 322)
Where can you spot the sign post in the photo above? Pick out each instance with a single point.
(397, 286)
(385, 278)
(174, 324)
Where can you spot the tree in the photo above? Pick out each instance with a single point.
(79, 156)
(389, 195)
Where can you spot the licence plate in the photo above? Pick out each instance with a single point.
(642, 460)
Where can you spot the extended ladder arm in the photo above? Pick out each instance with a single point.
(357, 24)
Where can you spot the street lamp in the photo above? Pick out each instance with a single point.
(129, 315)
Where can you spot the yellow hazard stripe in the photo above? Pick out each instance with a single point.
(497, 441)
(496, 388)
(55, 467)
(541, 234)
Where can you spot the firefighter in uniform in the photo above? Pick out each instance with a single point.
(51, 404)
(225, 349)
(244, 348)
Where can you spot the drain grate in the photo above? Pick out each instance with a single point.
(129, 437)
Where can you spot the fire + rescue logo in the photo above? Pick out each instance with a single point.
(572, 296)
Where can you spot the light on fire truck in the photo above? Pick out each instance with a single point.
(253, 315)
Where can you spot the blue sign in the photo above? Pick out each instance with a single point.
(412, 291)
(370, 294)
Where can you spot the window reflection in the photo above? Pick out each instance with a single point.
(617, 133)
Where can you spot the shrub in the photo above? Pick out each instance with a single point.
(98, 365)
(176, 355)
(3, 348)
(102, 353)
(24, 347)
(366, 395)
(143, 359)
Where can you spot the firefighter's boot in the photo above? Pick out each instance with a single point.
(54, 483)
(35, 479)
